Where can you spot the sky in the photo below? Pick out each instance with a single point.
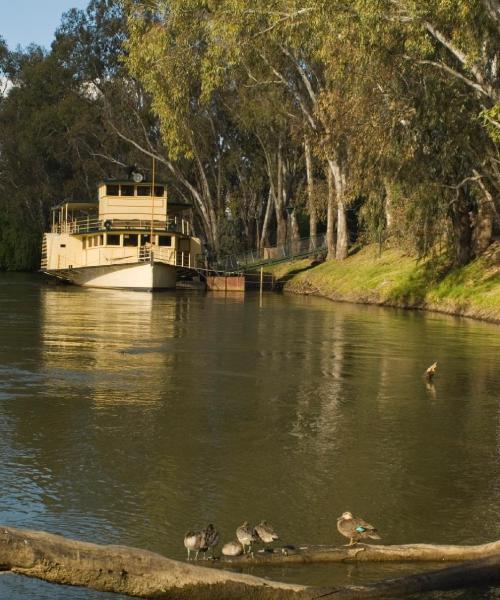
(25, 21)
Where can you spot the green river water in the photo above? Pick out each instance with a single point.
(128, 417)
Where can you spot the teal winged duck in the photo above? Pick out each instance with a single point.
(355, 529)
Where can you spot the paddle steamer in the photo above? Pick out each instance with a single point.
(133, 237)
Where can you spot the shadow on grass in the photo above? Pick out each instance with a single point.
(279, 283)
(413, 289)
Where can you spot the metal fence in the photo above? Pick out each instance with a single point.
(291, 249)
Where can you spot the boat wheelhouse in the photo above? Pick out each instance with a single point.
(133, 237)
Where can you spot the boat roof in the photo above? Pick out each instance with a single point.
(130, 182)
(76, 205)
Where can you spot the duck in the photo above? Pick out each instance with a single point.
(265, 532)
(194, 541)
(233, 548)
(211, 538)
(246, 535)
(355, 528)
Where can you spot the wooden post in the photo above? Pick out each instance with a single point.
(261, 285)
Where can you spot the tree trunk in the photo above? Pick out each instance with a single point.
(483, 230)
(294, 232)
(265, 224)
(340, 185)
(462, 231)
(330, 217)
(311, 204)
(278, 202)
(388, 206)
(144, 574)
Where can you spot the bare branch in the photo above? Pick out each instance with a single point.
(108, 158)
(297, 96)
(302, 74)
(479, 88)
(286, 17)
(462, 58)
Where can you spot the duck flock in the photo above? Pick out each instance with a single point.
(353, 528)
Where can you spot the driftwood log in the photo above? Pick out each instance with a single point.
(145, 574)
(363, 553)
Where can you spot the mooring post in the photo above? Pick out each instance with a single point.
(261, 284)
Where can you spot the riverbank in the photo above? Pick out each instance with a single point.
(394, 278)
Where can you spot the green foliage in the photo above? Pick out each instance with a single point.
(51, 129)
(401, 95)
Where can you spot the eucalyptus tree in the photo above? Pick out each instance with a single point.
(166, 49)
(445, 60)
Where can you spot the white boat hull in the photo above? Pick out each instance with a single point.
(137, 276)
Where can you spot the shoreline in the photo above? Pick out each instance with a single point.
(396, 280)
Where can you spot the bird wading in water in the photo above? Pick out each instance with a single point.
(355, 529)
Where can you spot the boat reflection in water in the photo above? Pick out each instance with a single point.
(112, 344)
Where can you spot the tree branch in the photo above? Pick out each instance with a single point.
(479, 88)
(462, 58)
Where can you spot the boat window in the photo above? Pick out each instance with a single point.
(130, 239)
(145, 239)
(100, 238)
(144, 190)
(90, 241)
(159, 190)
(112, 190)
(84, 243)
(112, 239)
(165, 240)
(127, 190)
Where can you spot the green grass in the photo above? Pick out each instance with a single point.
(396, 279)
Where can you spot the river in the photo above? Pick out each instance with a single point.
(128, 417)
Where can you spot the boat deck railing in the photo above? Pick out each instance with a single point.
(93, 225)
(167, 256)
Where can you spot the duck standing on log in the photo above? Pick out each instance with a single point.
(246, 536)
(355, 529)
(194, 541)
(265, 532)
(211, 537)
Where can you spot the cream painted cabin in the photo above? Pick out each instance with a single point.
(130, 238)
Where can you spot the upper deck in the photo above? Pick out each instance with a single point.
(123, 205)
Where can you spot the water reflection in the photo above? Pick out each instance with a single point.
(129, 417)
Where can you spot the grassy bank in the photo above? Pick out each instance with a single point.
(396, 279)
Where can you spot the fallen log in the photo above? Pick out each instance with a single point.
(144, 574)
(364, 553)
(129, 571)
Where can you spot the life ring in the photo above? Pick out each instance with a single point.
(107, 224)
